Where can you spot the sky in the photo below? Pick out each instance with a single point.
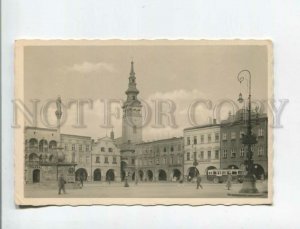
(182, 74)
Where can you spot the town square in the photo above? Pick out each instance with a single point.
(222, 155)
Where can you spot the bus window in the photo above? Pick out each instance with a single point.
(215, 172)
(224, 172)
(234, 172)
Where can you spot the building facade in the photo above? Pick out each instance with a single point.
(105, 160)
(201, 149)
(77, 149)
(160, 160)
(234, 153)
(49, 153)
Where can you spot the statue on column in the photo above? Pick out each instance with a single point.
(58, 111)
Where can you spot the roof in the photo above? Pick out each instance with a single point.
(202, 126)
(75, 136)
(39, 128)
(160, 140)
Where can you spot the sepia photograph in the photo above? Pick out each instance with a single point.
(143, 122)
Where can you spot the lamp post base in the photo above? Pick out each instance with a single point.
(126, 183)
(249, 185)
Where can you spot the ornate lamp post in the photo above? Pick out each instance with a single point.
(249, 139)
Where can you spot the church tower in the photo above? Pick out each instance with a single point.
(132, 113)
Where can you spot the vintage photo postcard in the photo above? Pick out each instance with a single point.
(143, 122)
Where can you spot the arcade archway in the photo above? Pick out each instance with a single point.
(192, 173)
(176, 174)
(36, 176)
(97, 175)
(110, 175)
(259, 171)
(81, 173)
(162, 175)
(149, 175)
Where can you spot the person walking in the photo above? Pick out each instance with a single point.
(229, 182)
(199, 181)
(81, 180)
(61, 184)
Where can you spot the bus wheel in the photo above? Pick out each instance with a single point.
(216, 180)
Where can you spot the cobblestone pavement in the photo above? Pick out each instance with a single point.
(141, 190)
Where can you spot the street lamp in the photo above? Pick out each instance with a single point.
(249, 139)
(195, 163)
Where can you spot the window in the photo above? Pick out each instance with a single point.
(110, 150)
(134, 129)
(132, 161)
(216, 154)
(225, 153)
(80, 147)
(217, 137)
(242, 152)
(260, 132)
(188, 141)
(202, 138)
(179, 147)
(224, 136)
(97, 159)
(165, 149)
(233, 154)
(208, 155)
(106, 160)
(233, 135)
(73, 157)
(202, 155)
(188, 157)
(114, 160)
(157, 161)
(73, 146)
(66, 146)
(87, 148)
(80, 159)
(260, 151)
(102, 149)
(164, 160)
(195, 155)
(172, 148)
(209, 138)
(195, 140)
(172, 160)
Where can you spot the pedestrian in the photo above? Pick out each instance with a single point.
(199, 181)
(81, 180)
(61, 184)
(229, 180)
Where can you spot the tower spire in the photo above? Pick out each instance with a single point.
(132, 91)
(132, 73)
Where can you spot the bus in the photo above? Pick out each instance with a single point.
(221, 175)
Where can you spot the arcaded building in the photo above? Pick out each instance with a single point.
(160, 160)
(201, 149)
(234, 153)
(105, 160)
